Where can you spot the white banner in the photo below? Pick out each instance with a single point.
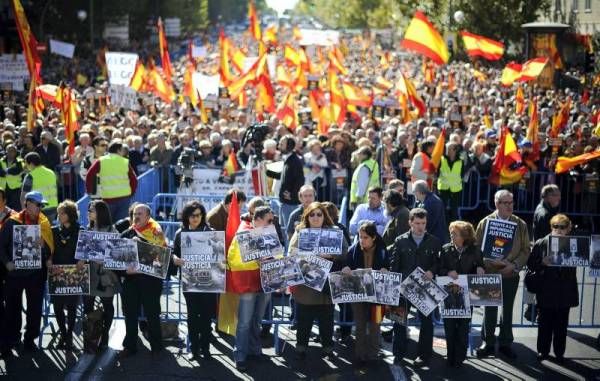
(205, 84)
(120, 67)
(13, 70)
(319, 37)
(123, 96)
(62, 48)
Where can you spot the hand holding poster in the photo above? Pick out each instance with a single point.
(320, 242)
(457, 304)
(122, 254)
(569, 251)
(387, 287)
(355, 287)
(27, 247)
(69, 280)
(485, 290)
(153, 260)
(92, 245)
(276, 274)
(498, 238)
(259, 243)
(314, 269)
(423, 293)
(595, 262)
(204, 255)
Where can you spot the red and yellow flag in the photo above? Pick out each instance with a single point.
(519, 101)
(479, 46)
(356, 96)
(291, 56)
(28, 42)
(270, 35)
(510, 73)
(406, 88)
(422, 37)
(438, 149)
(336, 97)
(254, 23)
(224, 48)
(164, 52)
(237, 58)
(231, 166)
(138, 79)
(508, 165)
(68, 108)
(560, 120)
(563, 163)
(287, 111)
(532, 69)
(188, 86)
(203, 112)
(336, 60)
(533, 130)
(265, 96)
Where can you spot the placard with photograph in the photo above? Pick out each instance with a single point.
(387, 287)
(93, 245)
(595, 253)
(569, 251)
(358, 286)
(204, 266)
(485, 290)
(121, 255)
(259, 243)
(498, 238)
(276, 274)
(69, 280)
(320, 241)
(27, 247)
(153, 260)
(315, 270)
(423, 293)
(457, 303)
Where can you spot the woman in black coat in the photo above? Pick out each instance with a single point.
(201, 306)
(557, 295)
(461, 256)
(65, 236)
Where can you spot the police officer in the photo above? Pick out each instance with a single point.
(43, 180)
(449, 183)
(365, 176)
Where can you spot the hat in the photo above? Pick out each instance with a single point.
(490, 134)
(35, 196)
(525, 143)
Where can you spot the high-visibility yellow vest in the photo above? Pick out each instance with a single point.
(114, 176)
(11, 181)
(450, 178)
(373, 181)
(44, 181)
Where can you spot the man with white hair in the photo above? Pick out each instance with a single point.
(48, 151)
(509, 268)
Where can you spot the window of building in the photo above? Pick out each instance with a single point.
(588, 5)
(575, 6)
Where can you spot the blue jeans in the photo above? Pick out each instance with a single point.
(250, 312)
(119, 209)
(284, 213)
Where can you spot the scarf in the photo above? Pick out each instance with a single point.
(152, 233)
(45, 228)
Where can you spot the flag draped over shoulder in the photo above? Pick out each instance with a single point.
(164, 52)
(422, 37)
(508, 165)
(563, 163)
(152, 233)
(479, 46)
(438, 149)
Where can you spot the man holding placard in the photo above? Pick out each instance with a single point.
(504, 241)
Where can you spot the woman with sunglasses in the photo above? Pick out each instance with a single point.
(368, 253)
(312, 304)
(558, 292)
(200, 305)
(104, 284)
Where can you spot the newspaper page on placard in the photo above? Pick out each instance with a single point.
(569, 251)
(423, 293)
(276, 274)
(93, 245)
(485, 290)
(387, 287)
(595, 253)
(498, 238)
(314, 269)
(27, 247)
(204, 261)
(355, 287)
(69, 280)
(457, 303)
(259, 243)
(153, 260)
(320, 241)
(122, 255)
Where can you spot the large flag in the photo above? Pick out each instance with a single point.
(356, 96)
(164, 52)
(265, 95)
(422, 37)
(138, 79)
(563, 163)
(533, 130)
(508, 165)
(406, 88)
(438, 149)
(336, 60)
(258, 69)
(254, 23)
(158, 85)
(510, 73)
(237, 58)
(28, 42)
(228, 302)
(532, 69)
(561, 119)
(291, 56)
(336, 97)
(188, 86)
(224, 47)
(519, 101)
(68, 108)
(479, 46)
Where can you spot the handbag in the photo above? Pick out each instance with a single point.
(534, 281)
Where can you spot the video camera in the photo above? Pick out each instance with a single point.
(256, 134)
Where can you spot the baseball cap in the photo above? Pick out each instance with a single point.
(35, 196)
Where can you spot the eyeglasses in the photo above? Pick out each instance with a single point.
(196, 215)
(507, 203)
(315, 214)
(561, 227)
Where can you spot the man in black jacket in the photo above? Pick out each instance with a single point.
(415, 248)
(292, 178)
(546, 209)
(397, 210)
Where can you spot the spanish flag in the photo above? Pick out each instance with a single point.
(532, 69)
(203, 113)
(28, 42)
(188, 86)
(508, 165)
(138, 79)
(158, 85)
(270, 36)
(231, 166)
(224, 48)
(563, 163)
(356, 96)
(286, 111)
(438, 149)
(336, 60)
(560, 120)
(291, 56)
(422, 37)
(533, 130)
(164, 52)
(337, 99)
(479, 46)
(519, 101)
(265, 96)
(511, 73)
(237, 58)
(253, 21)
(406, 88)
(152, 233)
(283, 78)
(68, 108)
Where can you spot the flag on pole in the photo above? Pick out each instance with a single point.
(519, 101)
(510, 73)
(532, 69)
(508, 165)
(28, 42)
(254, 24)
(164, 52)
(479, 46)
(231, 166)
(438, 149)
(336, 98)
(561, 119)
(224, 47)
(356, 96)
(563, 164)
(287, 111)
(68, 107)
(407, 88)
(533, 130)
(228, 302)
(422, 37)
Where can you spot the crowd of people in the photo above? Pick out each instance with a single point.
(400, 205)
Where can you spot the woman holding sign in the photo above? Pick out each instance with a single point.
(310, 303)
(461, 256)
(557, 294)
(200, 305)
(368, 253)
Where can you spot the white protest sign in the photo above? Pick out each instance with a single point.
(123, 96)
(120, 67)
(319, 37)
(13, 70)
(205, 84)
(62, 48)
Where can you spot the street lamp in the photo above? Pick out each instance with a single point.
(459, 16)
(81, 15)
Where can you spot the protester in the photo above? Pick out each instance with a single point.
(436, 216)
(372, 210)
(307, 196)
(397, 213)
(292, 178)
(545, 210)
(217, 216)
